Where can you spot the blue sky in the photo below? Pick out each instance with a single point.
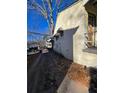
(37, 23)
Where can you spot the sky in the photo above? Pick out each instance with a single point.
(37, 23)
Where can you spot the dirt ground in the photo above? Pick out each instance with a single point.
(47, 71)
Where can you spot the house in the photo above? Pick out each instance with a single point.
(75, 32)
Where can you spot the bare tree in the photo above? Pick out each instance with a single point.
(46, 8)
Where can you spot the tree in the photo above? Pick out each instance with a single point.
(46, 8)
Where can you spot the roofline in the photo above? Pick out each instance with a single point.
(72, 5)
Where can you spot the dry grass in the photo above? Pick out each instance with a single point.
(79, 73)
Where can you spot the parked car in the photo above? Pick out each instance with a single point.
(48, 44)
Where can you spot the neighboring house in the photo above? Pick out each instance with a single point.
(75, 32)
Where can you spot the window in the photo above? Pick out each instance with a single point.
(90, 37)
(92, 19)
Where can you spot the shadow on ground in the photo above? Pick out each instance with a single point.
(48, 71)
(47, 75)
(93, 81)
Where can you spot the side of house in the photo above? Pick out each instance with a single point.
(77, 41)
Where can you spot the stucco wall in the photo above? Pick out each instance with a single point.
(64, 44)
(74, 22)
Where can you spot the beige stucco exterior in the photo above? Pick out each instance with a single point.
(74, 22)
